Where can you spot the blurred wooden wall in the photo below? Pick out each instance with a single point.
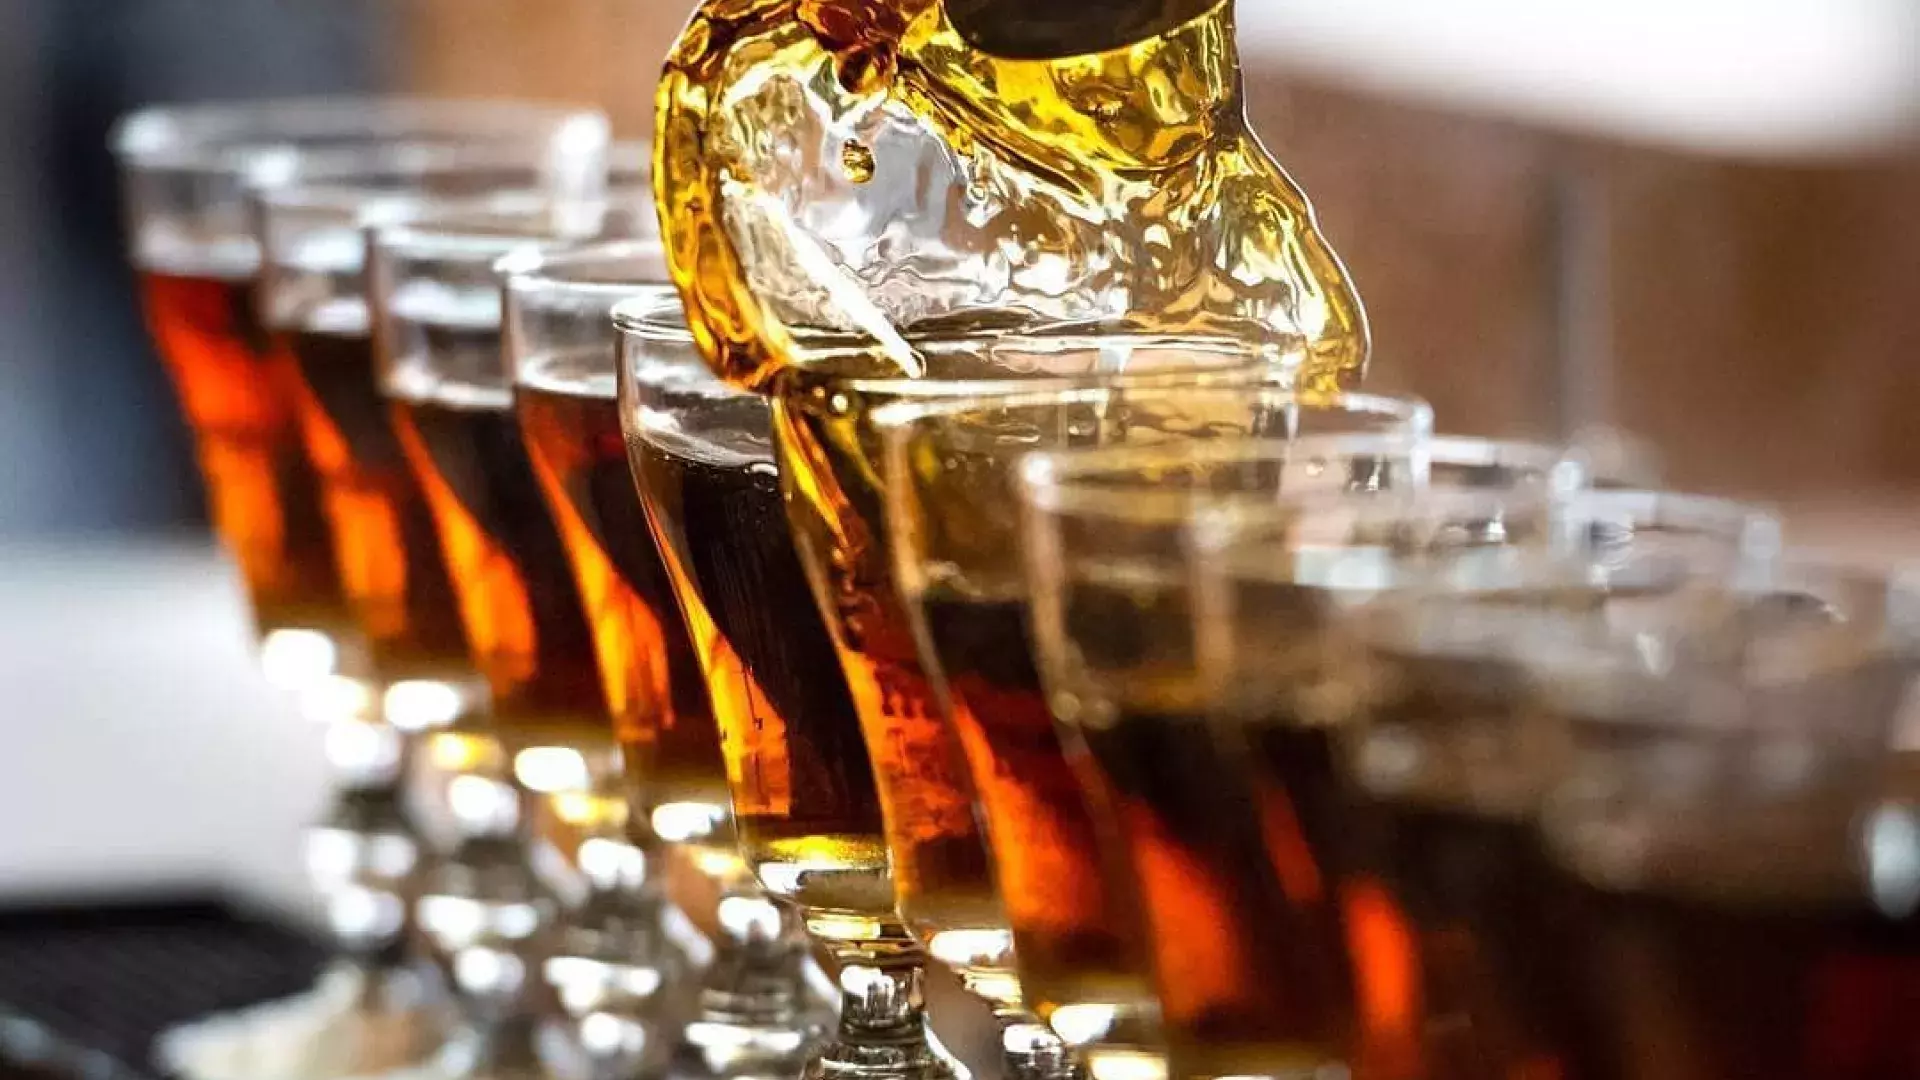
(606, 52)
(1762, 321)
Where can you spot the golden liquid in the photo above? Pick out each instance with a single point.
(803, 792)
(239, 393)
(863, 166)
(518, 599)
(652, 680)
(943, 879)
(383, 533)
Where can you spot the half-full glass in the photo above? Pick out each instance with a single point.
(950, 471)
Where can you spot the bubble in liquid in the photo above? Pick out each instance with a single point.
(857, 160)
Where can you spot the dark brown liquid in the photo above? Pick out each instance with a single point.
(1244, 921)
(517, 596)
(940, 864)
(803, 791)
(1075, 926)
(653, 680)
(383, 533)
(239, 395)
(1429, 932)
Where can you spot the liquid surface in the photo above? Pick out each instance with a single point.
(383, 533)
(879, 167)
(571, 421)
(518, 600)
(803, 791)
(239, 394)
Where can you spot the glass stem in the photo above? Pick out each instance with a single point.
(882, 1034)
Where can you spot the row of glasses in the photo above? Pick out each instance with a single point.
(751, 1011)
(854, 795)
(1323, 724)
(1482, 779)
(379, 254)
(484, 909)
(270, 450)
(590, 935)
(1249, 973)
(1629, 813)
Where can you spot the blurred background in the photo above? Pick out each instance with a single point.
(1698, 222)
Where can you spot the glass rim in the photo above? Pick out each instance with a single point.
(543, 269)
(485, 239)
(1415, 413)
(226, 136)
(1871, 612)
(348, 192)
(1652, 503)
(653, 319)
(1255, 361)
(668, 324)
(1062, 482)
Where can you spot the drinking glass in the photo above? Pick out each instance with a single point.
(564, 349)
(547, 757)
(806, 805)
(188, 174)
(1629, 825)
(1239, 921)
(830, 464)
(954, 516)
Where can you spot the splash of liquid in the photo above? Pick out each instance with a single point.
(878, 168)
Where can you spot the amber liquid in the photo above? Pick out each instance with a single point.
(652, 679)
(942, 877)
(516, 592)
(1075, 925)
(1300, 919)
(804, 797)
(1083, 162)
(240, 394)
(383, 533)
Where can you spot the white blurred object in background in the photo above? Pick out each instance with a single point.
(145, 751)
(1764, 78)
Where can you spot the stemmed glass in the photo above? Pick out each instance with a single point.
(563, 348)
(1240, 957)
(829, 460)
(188, 175)
(550, 730)
(1133, 555)
(1628, 814)
(954, 514)
(805, 802)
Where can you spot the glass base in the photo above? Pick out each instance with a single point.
(1030, 1050)
(350, 1024)
(883, 1032)
(916, 1058)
